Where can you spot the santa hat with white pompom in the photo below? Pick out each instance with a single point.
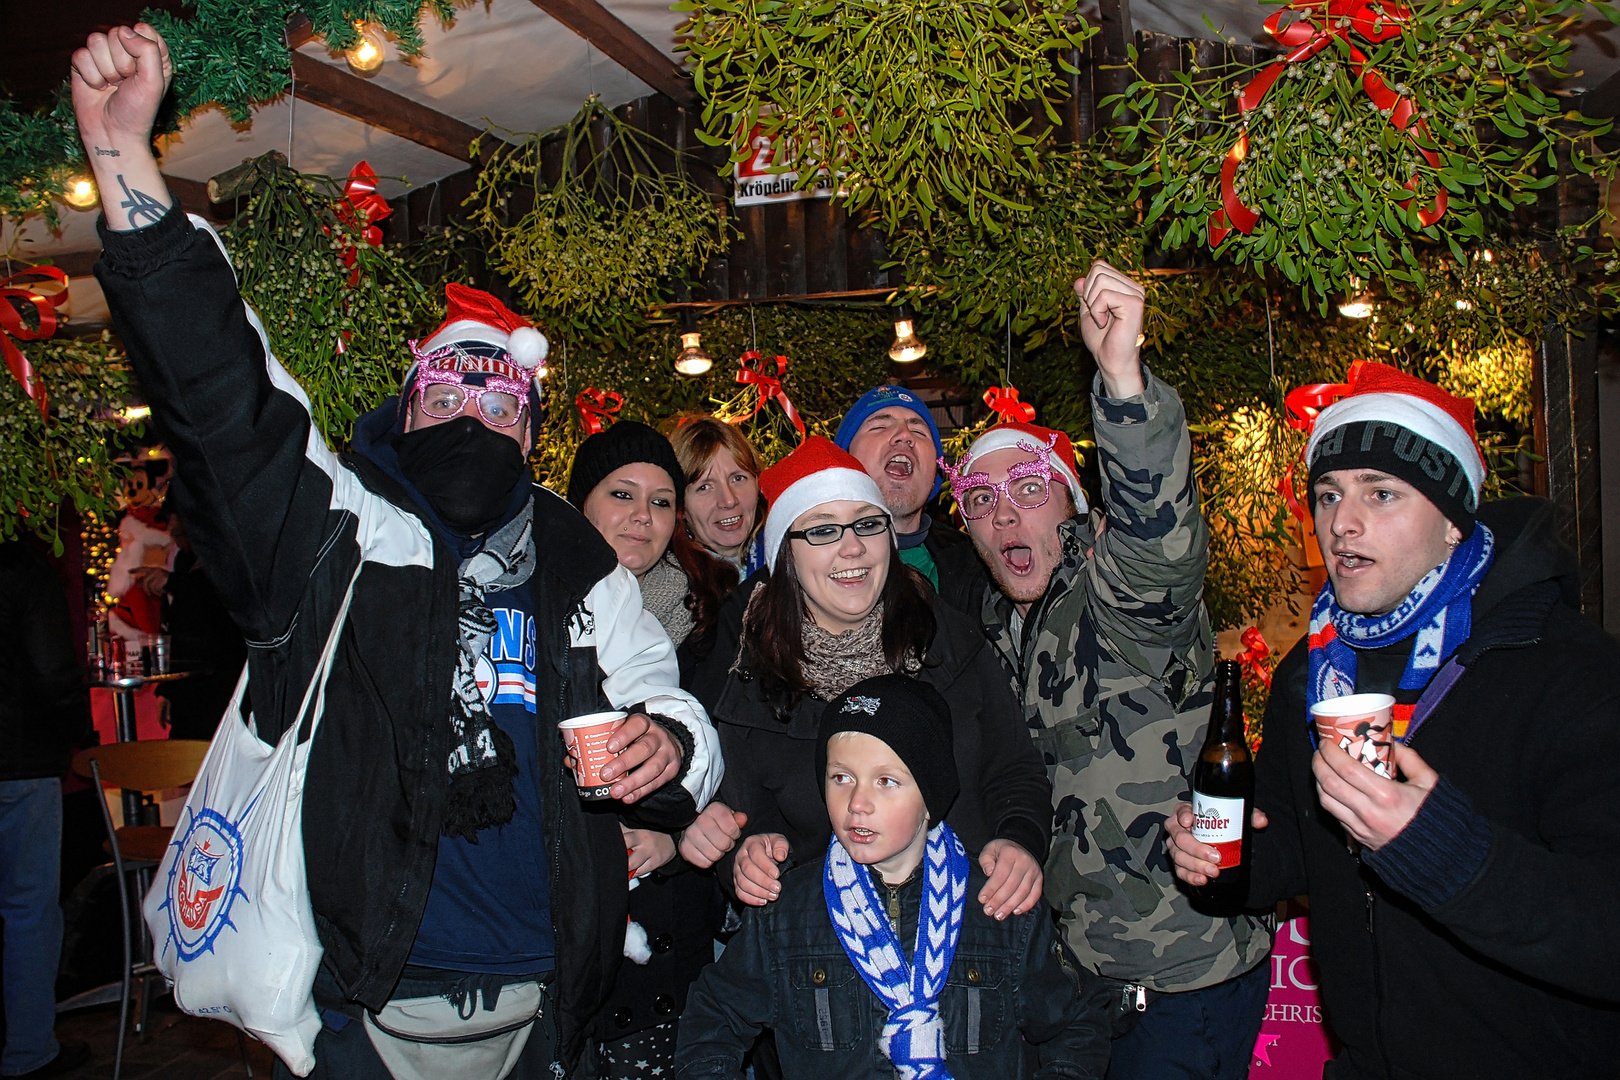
(484, 342)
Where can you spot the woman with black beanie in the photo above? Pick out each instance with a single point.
(627, 482)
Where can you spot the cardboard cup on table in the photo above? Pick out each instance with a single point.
(1362, 725)
(587, 740)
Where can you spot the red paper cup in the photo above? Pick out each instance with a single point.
(1362, 725)
(587, 740)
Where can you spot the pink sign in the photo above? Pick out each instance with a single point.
(1294, 1038)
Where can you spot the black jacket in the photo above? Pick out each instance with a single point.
(962, 574)
(770, 757)
(1014, 1004)
(282, 524)
(204, 638)
(682, 910)
(45, 710)
(1501, 963)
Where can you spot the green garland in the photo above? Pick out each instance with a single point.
(230, 53)
(911, 100)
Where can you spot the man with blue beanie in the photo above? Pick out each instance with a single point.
(891, 432)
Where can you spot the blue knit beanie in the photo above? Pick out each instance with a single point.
(884, 397)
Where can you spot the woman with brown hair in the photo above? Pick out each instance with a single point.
(839, 606)
(723, 507)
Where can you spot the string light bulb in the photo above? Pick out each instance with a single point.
(1359, 304)
(692, 360)
(367, 53)
(80, 193)
(907, 347)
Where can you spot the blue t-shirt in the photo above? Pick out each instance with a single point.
(489, 909)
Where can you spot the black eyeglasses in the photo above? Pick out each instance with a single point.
(830, 533)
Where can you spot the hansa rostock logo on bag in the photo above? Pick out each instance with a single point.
(204, 882)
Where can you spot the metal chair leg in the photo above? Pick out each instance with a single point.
(123, 905)
(241, 1041)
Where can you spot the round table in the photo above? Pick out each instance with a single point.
(123, 688)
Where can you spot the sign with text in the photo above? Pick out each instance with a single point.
(758, 185)
(1294, 1037)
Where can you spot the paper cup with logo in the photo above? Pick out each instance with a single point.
(587, 740)
(1362, 725)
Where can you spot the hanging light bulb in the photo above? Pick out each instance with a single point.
(1359, 304)
(81, 193)
(692, 359)
(367, 53)
(907, 347)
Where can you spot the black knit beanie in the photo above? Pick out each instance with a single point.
(1404, 454)
(624, 443)
(913, 719)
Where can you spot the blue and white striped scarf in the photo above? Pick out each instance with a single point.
(1439, 610)
(914, 1036)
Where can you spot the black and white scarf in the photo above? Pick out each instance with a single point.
(483, 760)
(913, 1037)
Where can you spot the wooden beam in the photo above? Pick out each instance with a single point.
(333, 88)
(192, 195)
(599, 26)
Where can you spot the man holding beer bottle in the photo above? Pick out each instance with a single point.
(1460, 895)
(1103, 633)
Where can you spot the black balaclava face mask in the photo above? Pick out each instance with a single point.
(464, 470)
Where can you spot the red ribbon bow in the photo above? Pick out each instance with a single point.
(360, 209)
(751, 370)
(1375, 22)
(1304, 404)
(1254, 654)
(1003, 401)
(595, 414)
(14, 296)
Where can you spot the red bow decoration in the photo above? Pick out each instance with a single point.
(1304, 404)
(595, 414)
(1254, 654)
(1375, 22)
(15, 295)
(360, 209)
(751, 370)
(1003, 401)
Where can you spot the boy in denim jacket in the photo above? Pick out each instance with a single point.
(872, 963)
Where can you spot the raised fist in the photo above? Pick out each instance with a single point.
(119, 79)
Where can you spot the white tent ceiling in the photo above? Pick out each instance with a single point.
(508, 63)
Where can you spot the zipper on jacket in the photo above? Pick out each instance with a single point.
(1378, 986)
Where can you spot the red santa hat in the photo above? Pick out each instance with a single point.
(482, 335)
(817, 472)
(1390, 420)
(1031, 439)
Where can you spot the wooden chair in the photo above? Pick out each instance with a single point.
(154, 765)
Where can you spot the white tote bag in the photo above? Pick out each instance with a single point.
(229, 907)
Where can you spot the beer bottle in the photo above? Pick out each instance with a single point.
(1223, 795)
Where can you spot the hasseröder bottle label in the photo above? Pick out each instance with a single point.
(1218, 822)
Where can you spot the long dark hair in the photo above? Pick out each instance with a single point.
(709, 580)
(774, 630)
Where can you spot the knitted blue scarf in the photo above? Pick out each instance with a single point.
(913, 1037)
(1439, 610)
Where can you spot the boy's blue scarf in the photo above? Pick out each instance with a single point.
(1439, 610)
(913, 1037)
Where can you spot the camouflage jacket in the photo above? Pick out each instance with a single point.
(1114, 668)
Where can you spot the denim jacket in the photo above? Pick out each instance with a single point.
(1015, 1005)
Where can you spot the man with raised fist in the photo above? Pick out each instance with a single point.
(448, 853)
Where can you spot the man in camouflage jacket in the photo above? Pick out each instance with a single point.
(1100, 623)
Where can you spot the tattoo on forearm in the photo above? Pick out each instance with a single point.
(106, 153)
(143, 209)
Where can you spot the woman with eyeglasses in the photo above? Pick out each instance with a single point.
(839, 606)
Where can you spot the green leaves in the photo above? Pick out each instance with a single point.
(1338, 187)
(925, 103)
(595, 249)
